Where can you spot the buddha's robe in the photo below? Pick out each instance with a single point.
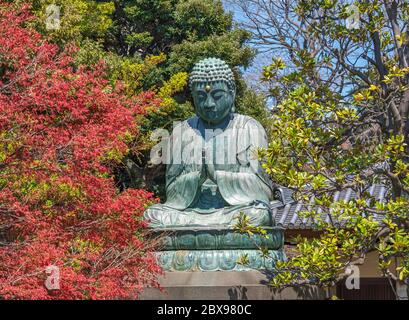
(212, 176)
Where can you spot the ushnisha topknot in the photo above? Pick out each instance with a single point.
(209, 70)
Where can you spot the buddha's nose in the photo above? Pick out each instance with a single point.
(209, 105)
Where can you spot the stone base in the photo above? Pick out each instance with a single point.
(225, 285)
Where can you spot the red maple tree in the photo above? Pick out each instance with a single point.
(61, 131)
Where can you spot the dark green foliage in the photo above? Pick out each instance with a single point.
(146, 44)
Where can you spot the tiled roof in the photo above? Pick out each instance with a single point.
(286, 213)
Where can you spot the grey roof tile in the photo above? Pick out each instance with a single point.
(287, 214)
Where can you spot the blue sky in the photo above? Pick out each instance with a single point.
(251, 74)
(238, 17)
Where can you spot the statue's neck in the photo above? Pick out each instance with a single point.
(213, 126)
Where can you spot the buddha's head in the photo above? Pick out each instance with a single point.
(213, 90)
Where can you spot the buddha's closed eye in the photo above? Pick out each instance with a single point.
(218, 96)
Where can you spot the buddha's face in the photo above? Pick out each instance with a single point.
(213, 101)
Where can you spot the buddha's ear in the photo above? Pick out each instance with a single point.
(233, 93)
(233, 90)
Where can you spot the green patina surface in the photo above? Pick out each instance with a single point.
(217, 260)
(213, 239)
(212, 176)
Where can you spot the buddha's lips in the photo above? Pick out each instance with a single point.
(211, 113)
